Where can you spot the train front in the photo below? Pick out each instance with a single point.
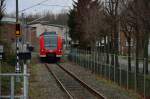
(50, 46)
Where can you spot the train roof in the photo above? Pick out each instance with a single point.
(49, 33)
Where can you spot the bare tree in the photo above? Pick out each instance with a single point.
(112, 12)
(126, 27)
(2, 8)
(136, 21)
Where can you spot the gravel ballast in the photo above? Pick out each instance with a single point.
(110, 90)
(43, 85)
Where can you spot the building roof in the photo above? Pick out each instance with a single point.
(8, 20)
(56, 25)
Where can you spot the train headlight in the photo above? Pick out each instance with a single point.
(43, 50)
(59, 50)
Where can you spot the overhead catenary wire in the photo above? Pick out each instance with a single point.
(56, 5)
(33, 6)
(41, 3)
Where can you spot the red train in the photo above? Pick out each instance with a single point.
(51, 46)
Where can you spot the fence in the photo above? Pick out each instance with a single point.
(12, 77)
(104, 65)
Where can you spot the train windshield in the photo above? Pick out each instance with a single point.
(50, 41)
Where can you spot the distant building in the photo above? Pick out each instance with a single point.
(8, 29)
(60, 29)
(28, 34)
(123, 45)
(40, 28)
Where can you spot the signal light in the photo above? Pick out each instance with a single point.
(18, 33)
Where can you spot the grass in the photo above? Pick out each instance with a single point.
(5, 68)
(32, 89)
(116, 86)
(140, 80)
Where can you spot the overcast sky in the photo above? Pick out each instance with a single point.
(23, 4)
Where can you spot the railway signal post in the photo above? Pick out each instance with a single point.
(17, 40)
(17, 47)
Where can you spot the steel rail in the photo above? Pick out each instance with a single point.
(92, 90)
(59, 82)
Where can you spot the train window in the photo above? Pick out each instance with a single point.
(49, 33)
(50, 42)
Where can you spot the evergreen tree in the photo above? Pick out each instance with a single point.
(86, 19)
(72, 23)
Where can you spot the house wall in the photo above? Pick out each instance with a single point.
(8, 32)
(124, 45)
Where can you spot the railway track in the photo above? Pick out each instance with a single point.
(71, 84)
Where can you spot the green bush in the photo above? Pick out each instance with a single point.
(11, 59)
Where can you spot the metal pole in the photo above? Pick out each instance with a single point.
(77, 56)
(23, 27)
(12, 87)
(127, 76)
(109, 66)
(88, 59)
(0, 81)
(25, 90)
(17, 11)
(120, 76)
(91, 66)
(97, 61)
(82, 53)
(94, 60)
(81, 57)
(30, 35)
(135, 78)
(85, 58)
(114, 69)
(144, 78)
(105, 64)
(74, 54)
(101, 63)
